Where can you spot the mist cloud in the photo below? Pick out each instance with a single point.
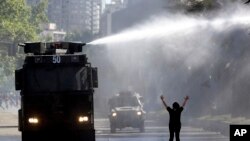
(177, 55)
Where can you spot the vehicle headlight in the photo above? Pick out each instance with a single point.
(114, 114)
(139, 113)
(33, 120)
(83, 118)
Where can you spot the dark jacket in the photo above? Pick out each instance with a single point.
(175, 116)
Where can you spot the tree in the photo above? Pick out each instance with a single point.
(15, 21)
(18, 23)
(38, 14)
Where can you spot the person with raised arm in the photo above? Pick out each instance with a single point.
(174, 118)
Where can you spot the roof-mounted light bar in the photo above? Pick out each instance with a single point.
(51, 47)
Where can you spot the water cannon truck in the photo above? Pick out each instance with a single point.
(56, 84)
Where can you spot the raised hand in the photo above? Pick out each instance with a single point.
(185, 100)
(163, 101)
(162, 97)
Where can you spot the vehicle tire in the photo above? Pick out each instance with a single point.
(142, 128)
(26, 136)
(112, 128)
(30, 136)
(81, 135)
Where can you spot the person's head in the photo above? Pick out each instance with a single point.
(176, 105)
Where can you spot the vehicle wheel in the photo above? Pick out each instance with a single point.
(30, 136)
(112, 128)
(81, 135)
(142, 128)
(26, 136)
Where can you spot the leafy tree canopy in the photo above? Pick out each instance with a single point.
(14, 21)
(18, 23)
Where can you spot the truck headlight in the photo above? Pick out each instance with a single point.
(114, 114)
(139, 113)
(33, 120)
(83, 118)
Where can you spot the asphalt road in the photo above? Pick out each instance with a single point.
(152, 133)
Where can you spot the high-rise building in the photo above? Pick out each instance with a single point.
(74, 15)
(136, 11)
(69, 15)
(93, 14)
(106, 20)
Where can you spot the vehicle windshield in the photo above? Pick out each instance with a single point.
(60, 78)
(120, 101)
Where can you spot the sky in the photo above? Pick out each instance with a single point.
(107, 1)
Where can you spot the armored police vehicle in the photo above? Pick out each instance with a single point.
(57, 84)
(126, 110)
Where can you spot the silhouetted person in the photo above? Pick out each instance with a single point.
(174, 118)
(247, 2)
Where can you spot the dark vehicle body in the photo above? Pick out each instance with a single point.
(56, 93)
(126, 110)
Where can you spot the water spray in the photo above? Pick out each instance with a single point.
(167, 26)
(180, 55)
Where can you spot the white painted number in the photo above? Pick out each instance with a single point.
(56, 59)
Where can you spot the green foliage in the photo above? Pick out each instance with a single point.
(48, 38)
(14, 21)
(7, 65)
(7, 68)
(38, 14)
(18, 23)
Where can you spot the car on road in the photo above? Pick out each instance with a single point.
(126, 110)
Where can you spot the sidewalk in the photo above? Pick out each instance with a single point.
(8, 118)
(8, 123)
